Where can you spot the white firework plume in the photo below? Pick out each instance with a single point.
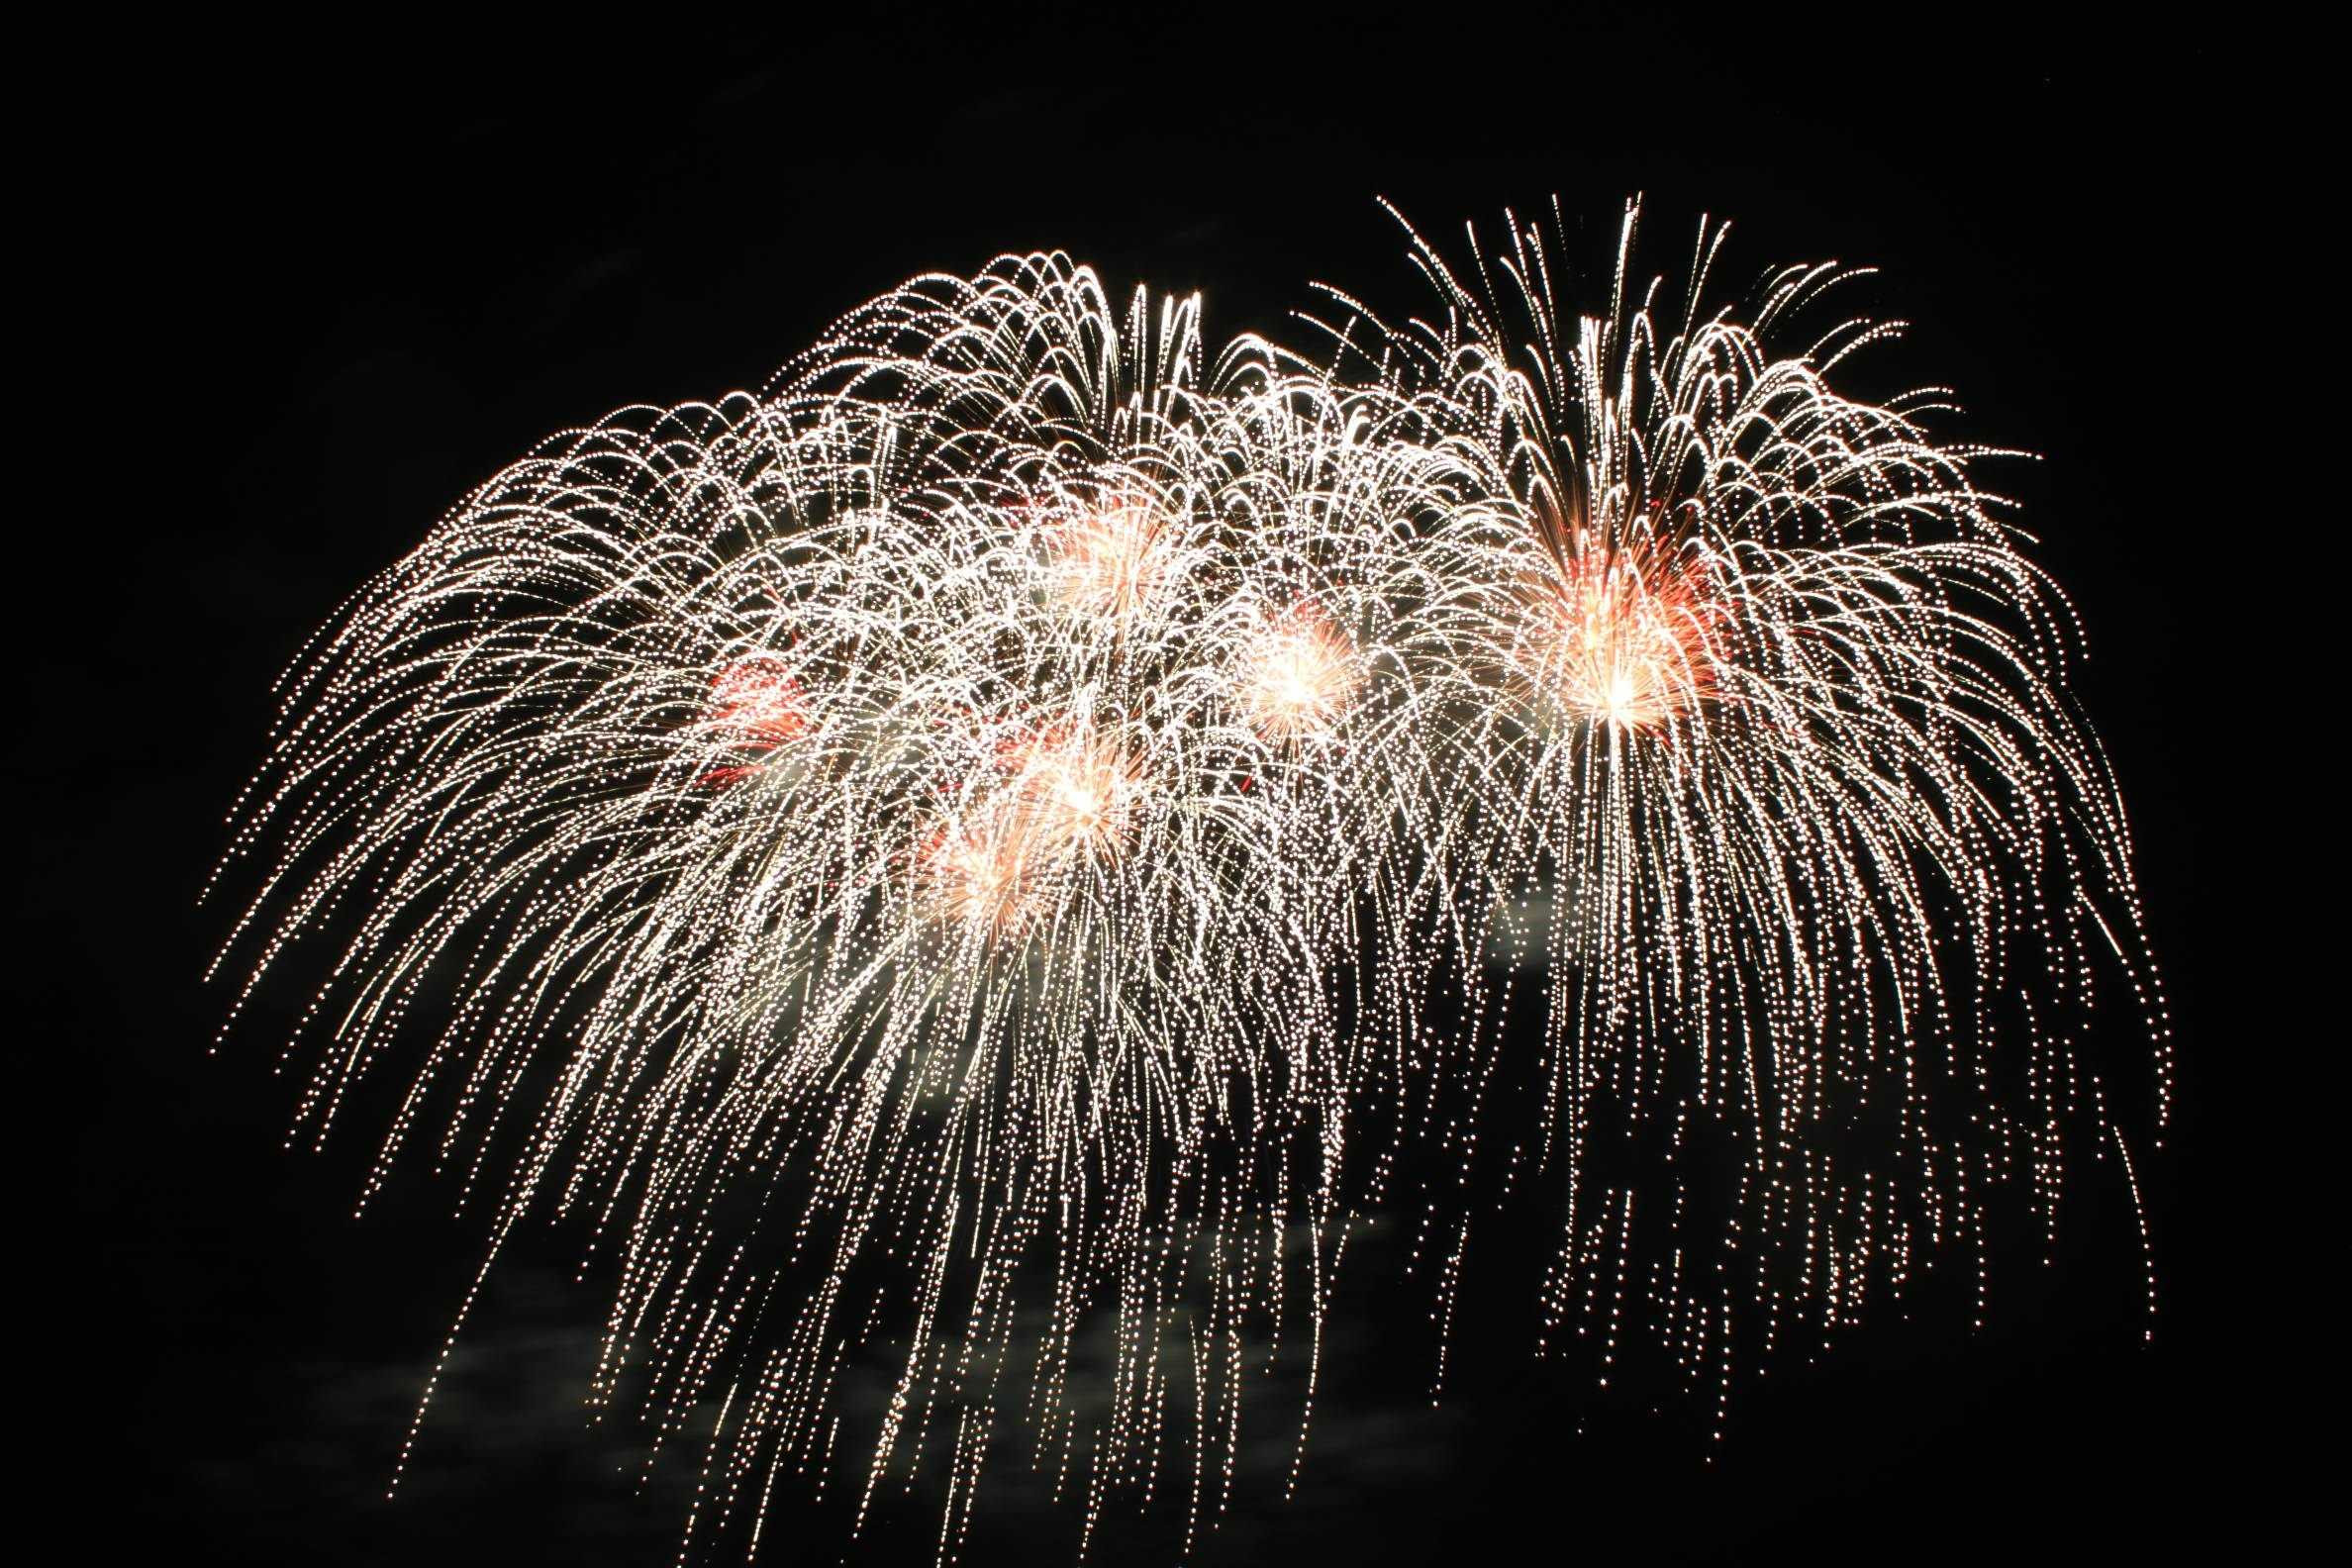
(901, 845)
(972, 843)
(1766, 749)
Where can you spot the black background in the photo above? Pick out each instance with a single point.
(340, 280)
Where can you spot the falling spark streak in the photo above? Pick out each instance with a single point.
(973, 843)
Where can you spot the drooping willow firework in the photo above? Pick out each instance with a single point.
(1779, 779)
(973, 841)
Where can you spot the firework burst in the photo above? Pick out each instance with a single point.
(919, 815)
(971, 843)
(1764, 714)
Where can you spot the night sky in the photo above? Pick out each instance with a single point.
(354, 279)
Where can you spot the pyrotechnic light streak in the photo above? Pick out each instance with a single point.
(973, 839)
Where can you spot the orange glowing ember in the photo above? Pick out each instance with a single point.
(1620, 638)
(1297, 676)
(755, 707)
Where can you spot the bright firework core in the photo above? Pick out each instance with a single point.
(1055, 797)
(1298, 675)
(1618, 637)
(1111, 559)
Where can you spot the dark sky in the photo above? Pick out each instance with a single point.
(356, 275)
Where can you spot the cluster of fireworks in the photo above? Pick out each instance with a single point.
(1015, 828)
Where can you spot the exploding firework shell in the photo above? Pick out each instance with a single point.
(973, 841)
(921, 815)
(1770, 771)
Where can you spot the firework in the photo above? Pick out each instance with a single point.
(976, 841)
(1765, 714)
(915, 823)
